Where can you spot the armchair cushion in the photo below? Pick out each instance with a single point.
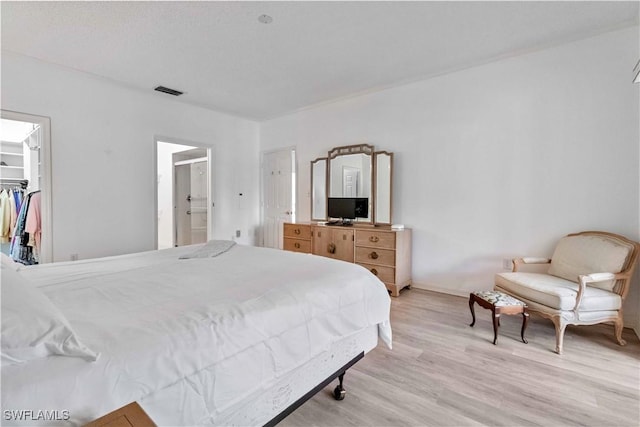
(556, 292)
(586, 254)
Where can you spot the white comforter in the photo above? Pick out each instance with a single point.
(156, 320)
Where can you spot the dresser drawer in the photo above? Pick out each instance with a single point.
(297, 231)
(376, 239)
(297, 245)
(376, 256)
(385, 274)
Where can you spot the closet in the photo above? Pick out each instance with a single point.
(20, 196)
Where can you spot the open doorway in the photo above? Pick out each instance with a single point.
(184, 193)
(25, 187)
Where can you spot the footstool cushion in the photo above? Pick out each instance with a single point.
(498, 298)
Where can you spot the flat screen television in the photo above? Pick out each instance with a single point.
(348, 207)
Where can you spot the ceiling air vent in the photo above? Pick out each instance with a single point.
(169, 91)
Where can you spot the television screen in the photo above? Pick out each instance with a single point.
(362, 207)
(348, 207)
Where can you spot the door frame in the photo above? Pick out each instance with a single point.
(46, 208)
(211, 148)
(294, 185)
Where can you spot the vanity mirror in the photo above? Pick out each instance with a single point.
(350, 176)
(319, 189)
(357, 174)
(383, 172)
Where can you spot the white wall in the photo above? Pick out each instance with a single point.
(498, 160)
(103, 156)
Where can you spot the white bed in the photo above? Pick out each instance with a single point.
(226, 340)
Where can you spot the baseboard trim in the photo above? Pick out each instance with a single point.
(427, 287)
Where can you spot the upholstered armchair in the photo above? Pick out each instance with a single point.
(586, 282)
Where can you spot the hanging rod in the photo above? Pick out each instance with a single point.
(14, 179)
(24, 183)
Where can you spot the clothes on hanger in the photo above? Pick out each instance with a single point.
(33, 224)
(13, 215)
(5, 217)
(10, 201)
(18, 195)
(25, 243)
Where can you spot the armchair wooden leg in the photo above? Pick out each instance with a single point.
(560, 327)
(619, 326)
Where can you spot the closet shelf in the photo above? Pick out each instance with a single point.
(11, 167)
(6, 153)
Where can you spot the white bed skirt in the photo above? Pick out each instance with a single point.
(167, 407)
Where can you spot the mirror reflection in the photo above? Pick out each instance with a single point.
(350, 180)
(350, 176)
(319, 189)
(383, 173)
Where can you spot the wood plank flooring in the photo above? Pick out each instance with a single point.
(441, 372)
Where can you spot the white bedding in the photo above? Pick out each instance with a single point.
(250, 315)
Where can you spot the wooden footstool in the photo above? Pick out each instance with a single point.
(499, 303)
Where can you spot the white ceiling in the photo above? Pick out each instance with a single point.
(312, 52)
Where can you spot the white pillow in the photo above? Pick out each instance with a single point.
(211, 249)
(32, 327)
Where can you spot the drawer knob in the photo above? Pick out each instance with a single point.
(296, 231)
(374, 271)
(373, 255)
(331, 248)
(297, 245)
(373, 239)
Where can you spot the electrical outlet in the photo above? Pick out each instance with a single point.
(74, 257)
(237, 233)
(507, 264)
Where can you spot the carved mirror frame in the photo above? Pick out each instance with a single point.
(380, 179)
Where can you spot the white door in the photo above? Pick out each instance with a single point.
(198, 200)
(350, 181)
(190, 203)
(277, 193)
(182, 176)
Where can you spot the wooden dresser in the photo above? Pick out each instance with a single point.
(387, 254)
(297, 237)
(384, 252)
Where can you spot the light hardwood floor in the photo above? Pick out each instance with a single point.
(441, 372)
